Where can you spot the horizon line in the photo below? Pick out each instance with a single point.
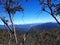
(31, 23)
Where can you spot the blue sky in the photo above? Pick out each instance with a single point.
(32, 14)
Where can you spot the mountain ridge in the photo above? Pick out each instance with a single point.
(42, 26)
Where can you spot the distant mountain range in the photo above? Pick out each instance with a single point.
(47, 26)
(41, 26)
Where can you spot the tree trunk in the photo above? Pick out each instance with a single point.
(10, 35)
(56, 19)
(13, 28)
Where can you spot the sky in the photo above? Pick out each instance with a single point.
(32, 14)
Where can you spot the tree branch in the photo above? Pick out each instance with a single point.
(4, 21)
(52, 14)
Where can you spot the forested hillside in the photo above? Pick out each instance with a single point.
(45, 37)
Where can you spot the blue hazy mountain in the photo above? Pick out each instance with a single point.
(47, 26)
(41, 26)
(2, 26)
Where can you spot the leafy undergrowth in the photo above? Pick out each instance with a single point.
(45, 37)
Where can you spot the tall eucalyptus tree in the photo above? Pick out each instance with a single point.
(11, 7)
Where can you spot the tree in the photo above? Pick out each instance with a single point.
(54, 8)
(10, 6)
